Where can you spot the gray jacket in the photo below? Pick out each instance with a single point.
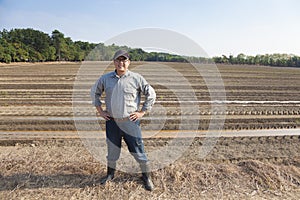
(123, 94)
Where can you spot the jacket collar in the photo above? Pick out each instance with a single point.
(114, 74)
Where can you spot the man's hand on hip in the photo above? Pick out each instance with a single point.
(136, 115)
(105, 115)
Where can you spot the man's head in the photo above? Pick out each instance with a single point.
(121, 61)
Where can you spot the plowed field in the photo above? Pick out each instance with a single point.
(256, 155)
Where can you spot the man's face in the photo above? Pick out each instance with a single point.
(121, 64)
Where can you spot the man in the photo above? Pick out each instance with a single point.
(123, 90)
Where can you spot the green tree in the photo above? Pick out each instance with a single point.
(241, 58)
(7, 51)
(34, 42)
(58, 43)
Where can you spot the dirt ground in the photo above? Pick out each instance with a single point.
(42, 158)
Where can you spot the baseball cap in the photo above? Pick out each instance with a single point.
(121, 53)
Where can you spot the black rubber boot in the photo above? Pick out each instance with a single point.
(111, 167)
(146, 176)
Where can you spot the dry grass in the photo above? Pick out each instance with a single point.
(65, 170)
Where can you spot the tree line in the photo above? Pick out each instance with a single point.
(29, 45)
(276, 59)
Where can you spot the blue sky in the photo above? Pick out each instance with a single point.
(218, 26)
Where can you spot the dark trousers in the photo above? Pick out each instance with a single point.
(131, 132)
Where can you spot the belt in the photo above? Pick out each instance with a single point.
(119, 119)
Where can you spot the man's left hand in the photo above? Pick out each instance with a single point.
(136, 115)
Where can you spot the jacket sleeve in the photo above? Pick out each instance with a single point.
(150, 95)
(96, 92)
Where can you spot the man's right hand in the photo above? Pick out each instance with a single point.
(104, 114)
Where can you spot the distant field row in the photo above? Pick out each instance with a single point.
(45, 97)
